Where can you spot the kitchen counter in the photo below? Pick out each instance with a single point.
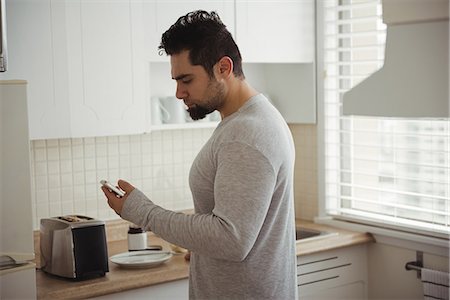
(120, 279)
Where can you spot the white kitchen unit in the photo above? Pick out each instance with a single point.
(334, 274)
(174, 290)
(84, 64)
(276, 31)
(32, 56)
(90, 65)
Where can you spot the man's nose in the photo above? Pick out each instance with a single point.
(180, 92)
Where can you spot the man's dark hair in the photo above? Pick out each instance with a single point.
(206, 38)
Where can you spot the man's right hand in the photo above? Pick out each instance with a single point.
(115, 202)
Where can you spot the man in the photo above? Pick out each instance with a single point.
(241, 236)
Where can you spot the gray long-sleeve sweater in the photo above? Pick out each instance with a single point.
(242, 232)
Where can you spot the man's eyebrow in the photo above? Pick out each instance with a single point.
(182, 76)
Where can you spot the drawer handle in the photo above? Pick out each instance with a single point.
(326, 269)
(320, 280)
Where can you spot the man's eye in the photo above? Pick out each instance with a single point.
(186, 81)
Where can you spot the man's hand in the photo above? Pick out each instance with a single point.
(114, 201)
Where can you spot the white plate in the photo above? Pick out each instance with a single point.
(141, 259)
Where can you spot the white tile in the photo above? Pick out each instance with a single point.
(91, 206)
(52, 143)
(78, 178)
(135, 148)
(113, 162)
(147, 160)
(53, 153)
(89, 150)
(135, 160)
(40, 154)
(146, 148)
(101, 150)
(65, 166)
(113, 175)
(42, 196)
(66, 179)
(136, 173)
(77, 141)
(40, 168)
(78, 193)
(101, 140)
(67, 208)
(79, 207)
(67, 194)
(54, 181)
(124, 139)
(78, 164)
(89, 164)
(41, 182)
(157, 158)
(39, 144)
(89, 141)
(65, 143)
(124, 149)
(42, 211)
(113, 149)
(53, 167)
(124, 173)
(102, 174)
(147, 172)
(124, 161)
(101, 163)
(77, 151)
(90, 177)
(54, 196)
(65, 153)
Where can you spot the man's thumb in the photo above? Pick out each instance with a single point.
(125, 186)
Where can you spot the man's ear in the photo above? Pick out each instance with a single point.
(225, 66)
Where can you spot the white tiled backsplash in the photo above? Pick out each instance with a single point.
(66, 172)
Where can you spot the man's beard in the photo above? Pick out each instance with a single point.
(214, 101)
(198, 112)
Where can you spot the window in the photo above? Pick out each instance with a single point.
(384, 172)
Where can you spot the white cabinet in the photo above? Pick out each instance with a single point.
(335, 274)
(108, 75)
(84, 65)
(275, 31)
(91, 65)
(33, 30)
(161, 14)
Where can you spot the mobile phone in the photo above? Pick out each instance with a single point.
(112, 188)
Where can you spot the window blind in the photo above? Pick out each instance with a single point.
(385, 172)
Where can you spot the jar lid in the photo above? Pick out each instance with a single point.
(134, 230)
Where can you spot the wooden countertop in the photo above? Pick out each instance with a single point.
(120, 279)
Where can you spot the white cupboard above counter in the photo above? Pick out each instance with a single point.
(82, 61)
(91, 64)
(269, 31)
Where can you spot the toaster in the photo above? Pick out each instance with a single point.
(73, 247)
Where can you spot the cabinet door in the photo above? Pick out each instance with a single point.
(107, 74)
(275, 30)
(166, 12)
(341, 273)
(36, 54)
